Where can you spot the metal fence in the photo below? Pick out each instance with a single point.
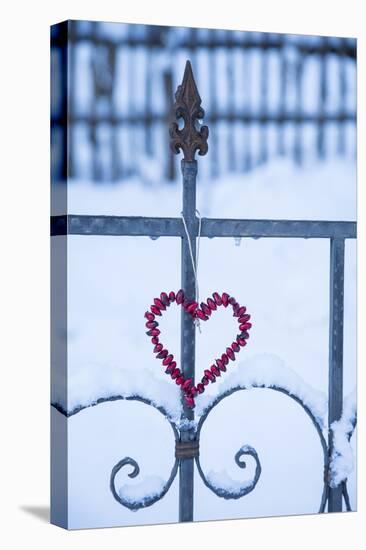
(278, 94)
(187, 434)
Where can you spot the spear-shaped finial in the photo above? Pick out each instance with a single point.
(188, 106)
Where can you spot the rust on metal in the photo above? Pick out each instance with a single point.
(187, 106)
(187, 449)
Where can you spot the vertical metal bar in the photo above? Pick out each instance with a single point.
(189, 139)
(71, 129)
(186, 465)
(94, 126)
(342, 99)
(283, 95)
(263, 125)
(214, 110)
(168, 89)
(335, 390)
(323, 99)
(298, 143)
(230, 107)
(149, 113)
(114, 161)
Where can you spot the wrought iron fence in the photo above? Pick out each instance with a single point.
(119, 121)
(187, 431)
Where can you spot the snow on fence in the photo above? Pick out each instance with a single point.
(333, 422)
(267, 94)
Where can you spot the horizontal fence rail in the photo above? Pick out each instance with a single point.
(173, 227)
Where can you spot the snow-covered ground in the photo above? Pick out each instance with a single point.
(285, 285)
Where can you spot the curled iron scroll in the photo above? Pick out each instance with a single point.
(222, 492)
(148, 500)
(247, 450)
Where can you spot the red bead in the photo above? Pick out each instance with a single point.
(153, 332)
(167, 360)
(220, 365)
(215, 370)
(241, 341)
(151, 324)
(225, 299)
(209, 375)
(149, 316)
(230, 354)
(211, 304)
(159, 304)
(162, 354)
(224, 359)
(170, 368)
(232, 300)
(201, 315)
(179, 297)
(236, 308)
(189, 401)
(244, 334)
(205, 380)
(187, 384)
(155, 310)
(158, 348)
(235, 346)
(155, 340)
(244, 318)
(200, 388)
(206, 309)
(217, 298)
(175, 373)
(179, 380)
(240, 311)
(172, 296)
(245, 326)
(193, 391)
(191, 307)
(164, 299)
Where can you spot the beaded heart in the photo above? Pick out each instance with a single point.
(203, 313)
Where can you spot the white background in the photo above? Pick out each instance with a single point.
(24, 223)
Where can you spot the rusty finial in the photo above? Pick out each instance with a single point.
(188, 106)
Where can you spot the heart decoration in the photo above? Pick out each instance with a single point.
(203, 313)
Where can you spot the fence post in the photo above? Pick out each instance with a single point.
(186, 466)
(189, 139)
(335, 391)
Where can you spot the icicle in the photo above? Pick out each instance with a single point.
(237, 241)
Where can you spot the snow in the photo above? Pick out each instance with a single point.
(91, 382)
(268, 370)
(144, 490)
(221, 480)
(343, 460)
(320, 191)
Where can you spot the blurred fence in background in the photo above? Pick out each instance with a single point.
(265, 95)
